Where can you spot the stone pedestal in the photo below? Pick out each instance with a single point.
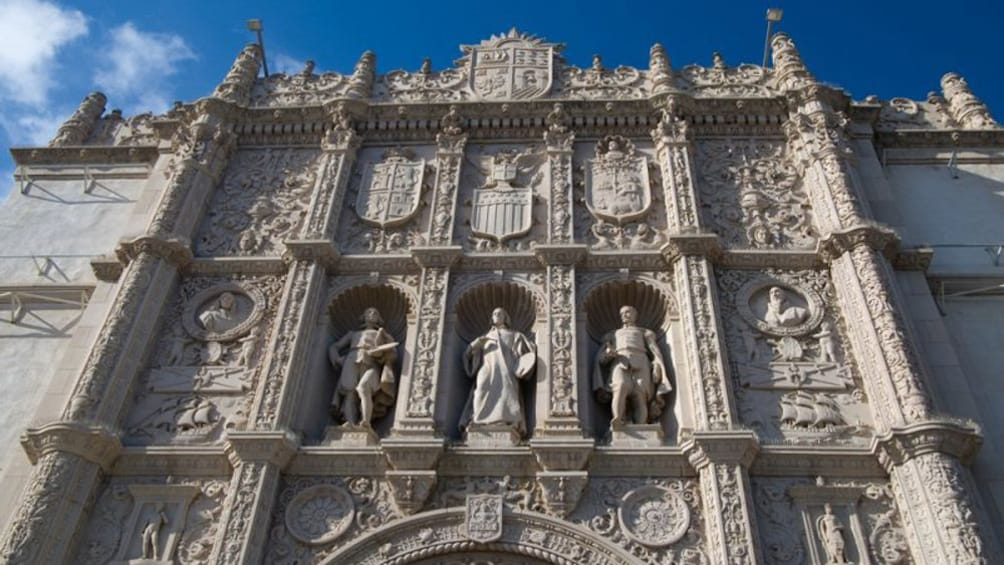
(492, 435)
(636, 435)
(350, 436)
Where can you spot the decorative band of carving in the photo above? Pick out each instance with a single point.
(95, 444)
(277, 448)
(734, 447)
(441, 256)
(174, 250)
(570, 254)
(959, 439)
(318, 250)
(836, 243)
(687, 245)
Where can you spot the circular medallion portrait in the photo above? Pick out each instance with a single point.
(223, 312)
(778, 308)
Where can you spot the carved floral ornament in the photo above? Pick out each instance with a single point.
(320, 514)
(654, 516)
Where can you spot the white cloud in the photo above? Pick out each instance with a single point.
(285, 64)
(137, 65)
(31, 34)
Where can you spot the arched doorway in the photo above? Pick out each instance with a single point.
(439, 537)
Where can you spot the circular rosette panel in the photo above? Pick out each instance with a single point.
(223, 312)
(474, 308)
(348, 306)
(320, 514)
(778, 308)
(654, 516)
(656, 309)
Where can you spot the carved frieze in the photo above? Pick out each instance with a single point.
(262, 200)
(211, 348)
(601, 83)
(752, 196)
(301, 89)
(786, 346)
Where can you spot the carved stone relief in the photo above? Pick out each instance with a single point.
(600, 83)
(424, 85)
(513, 66)
(315, 516)
(161, 521)
(618, 186)
(751, 195)
(262, 200)
(793, 380)
(300, 89)
(502, 211)
(206, 365)
(388, 197)
(840, 521)
(721, 80)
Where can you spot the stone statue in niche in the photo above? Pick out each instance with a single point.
(630, 369)
(365, 388)
(151, 533)
(831, 533)
(497, 361)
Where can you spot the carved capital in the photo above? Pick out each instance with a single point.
(276, 448)
(562, 454)
(562, 490)
(413, 453)
(411, 489)
(107, 268)
(174, 250)
(562, 254)
(917, 259)
(732, 447)
(961, 440)
(442, 256)
(95, 444)
(696, 244)
(836, 243)
(323, 251)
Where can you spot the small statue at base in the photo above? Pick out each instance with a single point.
(365, 388)
(630, 369)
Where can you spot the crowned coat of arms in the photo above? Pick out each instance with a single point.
(617, 185)
(499, 210)
(391, 190)
(513, 66)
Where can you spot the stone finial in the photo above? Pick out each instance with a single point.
(363, 76)
(79, 126)
(789, 68)
(968, 110)
(236, 86)
(660, 72)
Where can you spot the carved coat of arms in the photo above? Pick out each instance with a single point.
(499, 210)
(483, 518)
(391, 190)
(617, 185)
(513, 66)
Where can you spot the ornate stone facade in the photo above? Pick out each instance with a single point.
(512, 311)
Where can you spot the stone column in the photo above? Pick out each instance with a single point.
(721, 457)
(932, 488)
(258, 459)
(79, 126)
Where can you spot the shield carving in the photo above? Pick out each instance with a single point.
(512, 69)
(483, 518)
(390, 191)
(617, 185)
(502, 213)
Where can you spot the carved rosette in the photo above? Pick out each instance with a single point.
(654, 516)
(320, 515)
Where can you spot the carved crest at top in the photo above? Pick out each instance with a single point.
(514, 66)
(617, 185)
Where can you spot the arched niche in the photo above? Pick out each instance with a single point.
(436, 537)
(472, 318)
(344, 314)
(657, 311)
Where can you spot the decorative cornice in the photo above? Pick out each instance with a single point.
(176, 460)
(732, 447)
(916, 259)
(834, 244)
(321, 251)
(699, 244)
(237, 265)
(275, 447)
(565, 254)
(85, 155)
(95, 444)
(107, 268)
(175, 250)
(562, 454)
(436, 256)
(413, 453)
(959, 439)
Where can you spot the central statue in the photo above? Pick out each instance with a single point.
(365, 388)
(497, 361)
(629, 368)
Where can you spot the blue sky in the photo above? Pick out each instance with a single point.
(144, 55)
